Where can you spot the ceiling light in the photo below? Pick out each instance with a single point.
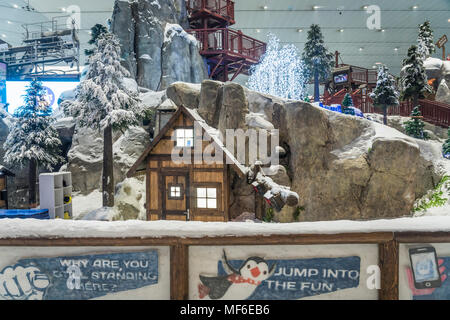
(361, 49)
(299, 30)
(341, 30)
(15, 6)
(257, 30)
(316, 7)
(265, 7)
(374, 67)
(378, 63)
(3, 35)
(415, 7)
(383, 30)
(396, 49)
(63, 9)
(448, 20)
(365, 7)
(9, 22)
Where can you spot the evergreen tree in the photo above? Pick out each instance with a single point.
(446, 146)
(318, 59)
(414, 80)
(96, 32)
(414, 127)
(346, 104)
(425, 40)
(32, 139)
(385, 94)
(104, 103)
(281, 72)
(348, 101)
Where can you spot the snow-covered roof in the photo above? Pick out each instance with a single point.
(212, 132)
(33, 228)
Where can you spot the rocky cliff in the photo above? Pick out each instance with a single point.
(155, 48)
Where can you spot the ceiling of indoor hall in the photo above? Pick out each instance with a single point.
(343, 23)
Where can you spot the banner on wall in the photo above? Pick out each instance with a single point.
(78, 277)
(287, 279)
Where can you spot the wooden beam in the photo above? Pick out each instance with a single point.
(422, 237)
(179, 272)
(389, 269)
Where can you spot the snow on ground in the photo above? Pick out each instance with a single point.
(84, 204)
(33, 228)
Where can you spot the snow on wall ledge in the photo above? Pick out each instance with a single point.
(17, 228)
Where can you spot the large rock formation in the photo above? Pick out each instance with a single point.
(342, 167)
(155, 48)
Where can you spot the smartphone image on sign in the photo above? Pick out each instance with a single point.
(424, 264)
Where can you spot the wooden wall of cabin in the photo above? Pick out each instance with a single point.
(160, 165)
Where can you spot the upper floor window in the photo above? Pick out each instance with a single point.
(185, 138)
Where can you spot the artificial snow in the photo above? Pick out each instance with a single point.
(33, 228)
(172, 30)
(82, 205)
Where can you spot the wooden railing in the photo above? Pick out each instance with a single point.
(224, 8)
(229, 41)
(434, 112)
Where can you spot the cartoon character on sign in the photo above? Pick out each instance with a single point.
(237, 284)
(23, 283)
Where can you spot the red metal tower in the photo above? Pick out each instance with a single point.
(228, 52)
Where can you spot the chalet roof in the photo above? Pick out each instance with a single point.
(6, 172)
(211, 132)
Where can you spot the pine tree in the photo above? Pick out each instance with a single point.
(385, 94)
(32, 139)
(96, 32)
(347, 103)
(446, 146)
(281, 72)
(318, 59)
(414, 80)
(104, 103)
(414, 127)
(425, 41)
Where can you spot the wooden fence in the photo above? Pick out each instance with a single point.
(388, 250)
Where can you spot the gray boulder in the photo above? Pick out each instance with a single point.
(155, 49)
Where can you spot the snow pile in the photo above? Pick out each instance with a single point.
(173, 30)
(257, 120)
(33, 228)
(84, 204)
(152, 99)
(102, 214)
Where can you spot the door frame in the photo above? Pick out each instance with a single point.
(179, 173)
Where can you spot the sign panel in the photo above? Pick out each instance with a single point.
(442, 41)
(283, 274)
(3, 73)
(78, 277)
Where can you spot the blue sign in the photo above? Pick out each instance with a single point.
(50, 96)
(78, 277)
(260, 279)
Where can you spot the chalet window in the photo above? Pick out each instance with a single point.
(176, 192)
(185, 138)
(207, 198)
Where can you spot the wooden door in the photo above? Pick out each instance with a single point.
(175, 204)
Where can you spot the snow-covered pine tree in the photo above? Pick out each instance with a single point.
(446, 146)
(414, 80)
(414, 127)
(346, 103)
(96, 31)
(104, 103)
(318, 59)
(32, 139)
(385, 94)
(425, 41)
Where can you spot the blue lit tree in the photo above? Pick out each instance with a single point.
(281, 72)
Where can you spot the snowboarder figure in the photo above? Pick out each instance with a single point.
(237, 284)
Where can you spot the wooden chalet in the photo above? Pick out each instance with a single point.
(186, 191)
